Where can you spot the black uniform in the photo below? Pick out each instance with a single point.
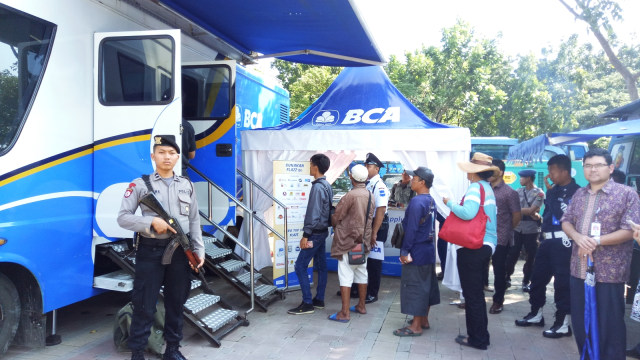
(179, 199)
(554, 253)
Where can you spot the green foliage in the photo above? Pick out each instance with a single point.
(467, 81)
(309, 86)
(8, 106)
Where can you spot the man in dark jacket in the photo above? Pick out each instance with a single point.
(312, 245)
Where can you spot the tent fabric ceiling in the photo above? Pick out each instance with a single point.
(272, 27)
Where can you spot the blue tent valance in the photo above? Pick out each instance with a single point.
(327, 32)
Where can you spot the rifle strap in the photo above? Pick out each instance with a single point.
(147, 181)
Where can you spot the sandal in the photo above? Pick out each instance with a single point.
(334, 317)
(405, 331)
(355, 310)
(410, 321)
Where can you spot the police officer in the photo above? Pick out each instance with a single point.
(554, 254)
(178, 197)
(528, 230)
(380, 194)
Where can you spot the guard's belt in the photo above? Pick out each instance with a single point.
(155, 242)
(555, 235)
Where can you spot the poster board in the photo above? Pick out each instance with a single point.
(291, 186)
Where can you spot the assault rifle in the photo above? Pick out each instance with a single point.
(179, 239)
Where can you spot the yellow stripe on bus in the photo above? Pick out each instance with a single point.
(74, 156)
(226, 125)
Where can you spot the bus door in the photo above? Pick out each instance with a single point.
(137, 86)
(208, 97)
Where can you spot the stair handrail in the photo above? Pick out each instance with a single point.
(284, 238)
(209, 218)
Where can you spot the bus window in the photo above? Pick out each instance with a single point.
(25, 43)
(206, 92)
(136, 71)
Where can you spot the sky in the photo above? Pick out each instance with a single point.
(526, 25)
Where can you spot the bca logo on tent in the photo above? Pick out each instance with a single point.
(354, 116)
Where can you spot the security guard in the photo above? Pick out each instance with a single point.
(554, 254)
(528, 230)
(178, 197)
(380, 194)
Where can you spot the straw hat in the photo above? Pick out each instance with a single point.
(479, 162)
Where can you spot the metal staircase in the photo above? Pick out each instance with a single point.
(209, 314)
(231, 266)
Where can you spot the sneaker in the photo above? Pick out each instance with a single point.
(304, 308)
(318, 304)
(507, 284)
(526, 288)
(532, 318)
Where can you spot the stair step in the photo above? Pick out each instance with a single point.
(264, 290)
(117, 281)
(246, 277)
(208, 240)
(218, 319)
(233, 265)
(215, 252)
(194, 285)
(200, 302)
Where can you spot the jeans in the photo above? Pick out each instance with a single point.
(317, 253)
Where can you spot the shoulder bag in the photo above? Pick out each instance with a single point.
(357, 255)
(466, 233)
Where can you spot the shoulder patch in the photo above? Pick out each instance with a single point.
(382, 192)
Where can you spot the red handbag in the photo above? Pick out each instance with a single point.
(466, 233)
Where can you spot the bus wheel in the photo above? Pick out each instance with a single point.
(9, 312)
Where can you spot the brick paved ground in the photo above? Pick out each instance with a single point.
(86, 330)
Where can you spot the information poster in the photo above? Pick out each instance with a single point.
(291, 186)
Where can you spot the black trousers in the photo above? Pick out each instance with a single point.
(552, 260)
(470, 266)
(612, 330)
(499, 260)
(374, 267)
(150, 276)
(442, 253)
(530, 243)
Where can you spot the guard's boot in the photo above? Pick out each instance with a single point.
(137, 355)
(172, 352)
(560, 327)
(532, 318)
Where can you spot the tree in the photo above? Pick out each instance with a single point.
(308, 88)
(290, 72)
(599, 16)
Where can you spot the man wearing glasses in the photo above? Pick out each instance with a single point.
(597, 220)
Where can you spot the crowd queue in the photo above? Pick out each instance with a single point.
(579, 226)
(582, 232)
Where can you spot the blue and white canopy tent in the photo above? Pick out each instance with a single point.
(360, 112)
(628, 124)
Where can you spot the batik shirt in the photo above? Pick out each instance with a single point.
(611, 206)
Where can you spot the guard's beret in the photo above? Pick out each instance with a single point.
(166, 140)
(372, 159)
(527, 173)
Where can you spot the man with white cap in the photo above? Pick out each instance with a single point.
(352, 225)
